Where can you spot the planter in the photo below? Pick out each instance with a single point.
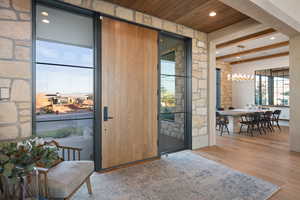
(25, 188)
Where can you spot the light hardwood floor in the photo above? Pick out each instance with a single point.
(266, 157)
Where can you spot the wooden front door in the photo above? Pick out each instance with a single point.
(129, 93)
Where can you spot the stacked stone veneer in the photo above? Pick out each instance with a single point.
(199, 94)
(226, 85)
(15, 68)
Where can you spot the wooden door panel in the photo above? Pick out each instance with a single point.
(129, 89)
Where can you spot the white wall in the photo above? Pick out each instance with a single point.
(295, 93)
(243, 91)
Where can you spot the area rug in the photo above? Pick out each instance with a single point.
(180, 176)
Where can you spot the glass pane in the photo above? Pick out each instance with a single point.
(172, 133)
(264, 90)
(74, 133)
(64, 37)
(172, 94)
(257, 88)
(58, 53)
(274, 84)
(172, 56)
(218, 88)
(63, 92)
(286, 89)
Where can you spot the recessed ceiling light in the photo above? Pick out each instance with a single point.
(46, 21)
(44, 13)
(272, 38)
(212, 14)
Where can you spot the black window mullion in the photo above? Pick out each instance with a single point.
(179, 76)
(63, 65)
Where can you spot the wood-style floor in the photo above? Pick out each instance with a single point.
(266, 157)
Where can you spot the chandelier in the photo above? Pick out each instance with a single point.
(240, 77)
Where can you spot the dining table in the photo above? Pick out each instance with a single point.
(234, 117)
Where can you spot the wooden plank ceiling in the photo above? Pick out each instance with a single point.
(191, 13)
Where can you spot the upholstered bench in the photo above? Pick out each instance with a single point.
(66, 177)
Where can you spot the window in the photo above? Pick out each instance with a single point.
(64, 102)
(172, 93)
(272, 87)
(172, 86)
(218, 88)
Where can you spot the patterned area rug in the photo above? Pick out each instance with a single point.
(181, 176)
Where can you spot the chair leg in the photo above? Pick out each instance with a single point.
(227, 129)
(248, 128)
(264, 128)
(252, 128)
(277, 122)
(241, 129)
(89, 186)
(222, 127)
(271, 127)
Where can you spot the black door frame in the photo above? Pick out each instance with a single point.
(187, 93)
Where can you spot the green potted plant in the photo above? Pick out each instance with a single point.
(17, 162)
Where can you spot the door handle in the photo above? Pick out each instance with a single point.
(106, 116)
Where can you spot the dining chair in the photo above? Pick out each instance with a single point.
(275, 118)
(252, 121)
(256, 123)
(266, 121)
(245, 120)
(222, 122)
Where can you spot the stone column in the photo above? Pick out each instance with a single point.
(199, 93)
(212, 94)
(15, 69)
(295, 93)
(226, 85)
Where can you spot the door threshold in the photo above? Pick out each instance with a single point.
(167, 153)
(125, 165)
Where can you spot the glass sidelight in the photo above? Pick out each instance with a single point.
(172, 94)
(64, 78)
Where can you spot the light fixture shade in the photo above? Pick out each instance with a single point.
(240, 77)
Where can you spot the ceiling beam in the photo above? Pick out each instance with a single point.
(253, 36)
(255, 50)
(260, 58)
(236, 30)
(270, 13)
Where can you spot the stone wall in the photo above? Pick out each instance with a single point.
(226, 85)
(15, 69)
(199, 94)
(15, 65)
